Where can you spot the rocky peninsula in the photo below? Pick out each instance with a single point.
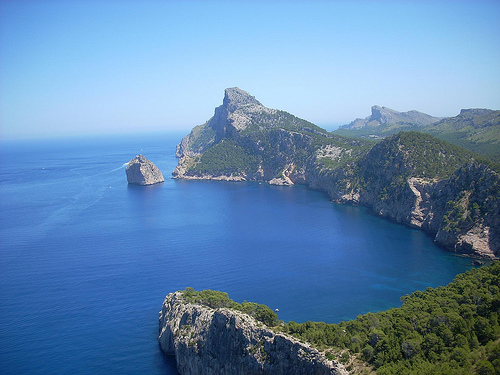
(411, 178)
(220, 341)
(141, 171)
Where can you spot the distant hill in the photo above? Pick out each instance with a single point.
(477, 130)
(385, 121)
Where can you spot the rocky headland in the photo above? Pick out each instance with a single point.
(141, 171)
(218, 341)
(410, 177)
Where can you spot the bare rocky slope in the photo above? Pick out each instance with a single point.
(222, 341)
(410, 177)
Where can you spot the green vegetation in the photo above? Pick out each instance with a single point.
(215, 300)
(419, 155)
(447, 330)
(226, 158)
(477, 130)
(477, 202)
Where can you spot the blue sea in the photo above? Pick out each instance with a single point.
(86, 260)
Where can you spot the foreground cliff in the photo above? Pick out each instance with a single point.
(221, 340)
(411, 178)
(452, 329)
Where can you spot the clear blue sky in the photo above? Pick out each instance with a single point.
(85, 67)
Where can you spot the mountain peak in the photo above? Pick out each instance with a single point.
(383, 114)
(235, 97)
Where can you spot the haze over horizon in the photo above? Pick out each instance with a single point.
(113, 67)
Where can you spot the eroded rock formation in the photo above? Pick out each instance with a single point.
(141, 171)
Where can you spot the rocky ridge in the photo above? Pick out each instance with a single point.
(411, 178)
(224, 341)
(386, 116)
(141, 171)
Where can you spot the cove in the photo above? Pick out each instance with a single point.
(87, 260)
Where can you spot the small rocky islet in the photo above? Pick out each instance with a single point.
(141, 171)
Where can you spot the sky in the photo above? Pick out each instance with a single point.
(118, 67)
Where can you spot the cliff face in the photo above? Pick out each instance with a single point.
(141, 171)
(419, 181)
(224, 341)
(411, 178)
(461, 213)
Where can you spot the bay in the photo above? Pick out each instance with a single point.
(86, 260)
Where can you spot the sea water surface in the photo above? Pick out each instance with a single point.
(86, 260)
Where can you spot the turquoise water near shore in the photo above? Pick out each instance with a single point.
(86, 260)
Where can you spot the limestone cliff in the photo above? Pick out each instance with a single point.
(417, 180)
(141, 171)
(410, 177)
(224, 341)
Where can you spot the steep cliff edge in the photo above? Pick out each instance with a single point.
(420, 181)
(410, 177)
(222, 341)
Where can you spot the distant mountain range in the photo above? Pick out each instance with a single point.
(383, 117)
(410, 177)
(475, 129)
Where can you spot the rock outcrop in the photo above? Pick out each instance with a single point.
(141, 171)
(224, 341)
(410, 177)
